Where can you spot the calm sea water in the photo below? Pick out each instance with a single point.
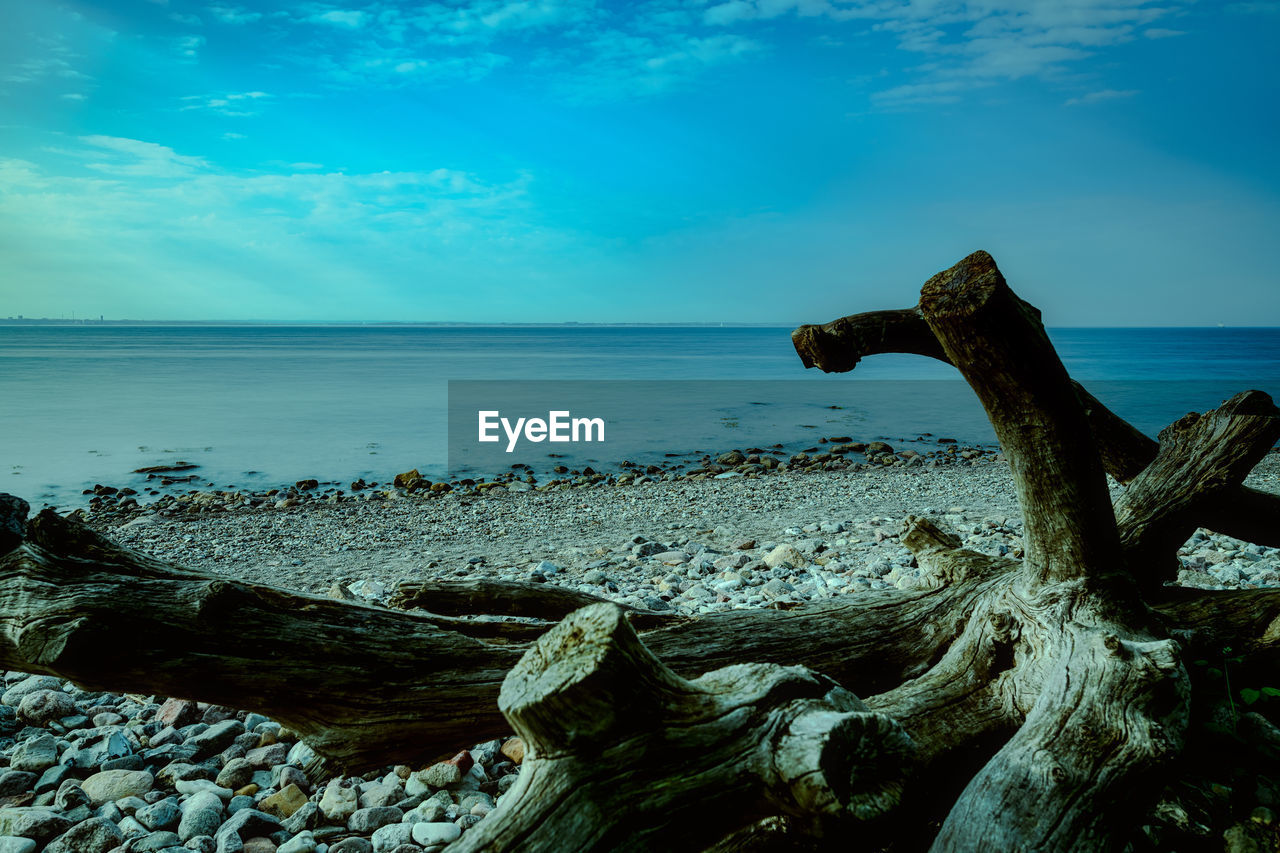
(258, 406)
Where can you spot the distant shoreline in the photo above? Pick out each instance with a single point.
(47, 322)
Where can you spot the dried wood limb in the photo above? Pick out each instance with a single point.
(1200, 458)
(367, 686)
(1000, 347)
(625, 755)
(543, 601)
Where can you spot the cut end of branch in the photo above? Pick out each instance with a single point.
(585, 678)
(966, 285)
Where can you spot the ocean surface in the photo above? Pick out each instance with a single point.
(258, 406)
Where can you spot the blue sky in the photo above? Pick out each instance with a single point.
(546, 160)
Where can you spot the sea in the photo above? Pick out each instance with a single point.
(256, 406)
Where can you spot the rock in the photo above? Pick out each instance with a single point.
(178, 713)
(200, 818)
(162, 815)
(352, 845)
(196, 786)
(261, 845)
(381, 794)
(307, 817)
(111, 785)
(236, 773)
(785, 555)
(70, 795)
(407, 479)
(266, 757)
(338, 803)
(16, 782)
(41, 707)
(35, 755)
(389, 837)
(303, 842)
(216, 738)
(39, 824)
(201, 844)
(157, 841)
(17, 845)
(247, 823)
(428, 834)
(366, 821)
(284, 803)
(733, 457)
(441, 775)
(15, 694)
(513, 749)
(95, 835)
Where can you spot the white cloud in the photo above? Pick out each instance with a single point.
(487, 19)
(234, 14)
(1102, 95)
(189, 46)
(238, 104)
(73, 96)
(229, 135)
(133, 157)
(349, 18)
(1162, 33)
(619, 64)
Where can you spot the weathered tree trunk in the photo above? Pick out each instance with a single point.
(1054, 685)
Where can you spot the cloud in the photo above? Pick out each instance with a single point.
(234, 14)
(189, 46)
(150, 222)
(133, 157)
(1257, 8)
(229, 135)
(1162, 33)
(618, 64)
(349, 18)
(238, 104)
(73, 96)
(487, 19)
(1102, 95)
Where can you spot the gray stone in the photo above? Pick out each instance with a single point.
(17, 845)
(162, 815)
(35, 755)
(156, 841)
(366, 821)
(338, 803)
(391, 836)
(199, 821)
(111, 785)
(216, 738)
(352, 845)
(95, 835)
(16, 782)
(247, 823)
(70, 795)
(235, 774)
(428, 834)
(40, 824)
(306, 817)
(15, 694)
(41, 707)
(303, 842)
(93, 754)
(201, 844)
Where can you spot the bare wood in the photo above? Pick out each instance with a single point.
(1200, 458)
(546, 602)
(838, 346)
(623, 754)
(367, 686)
(1000, 347)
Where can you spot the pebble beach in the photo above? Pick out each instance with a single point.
(88, 772)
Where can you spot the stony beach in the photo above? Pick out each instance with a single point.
(94, 772)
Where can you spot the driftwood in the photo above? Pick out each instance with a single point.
(1039, 698)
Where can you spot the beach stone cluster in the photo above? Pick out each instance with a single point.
(835, 453)
(90, 772)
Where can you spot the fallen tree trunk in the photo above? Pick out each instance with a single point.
(1052, 687)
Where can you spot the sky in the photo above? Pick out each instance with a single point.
(762, 161)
